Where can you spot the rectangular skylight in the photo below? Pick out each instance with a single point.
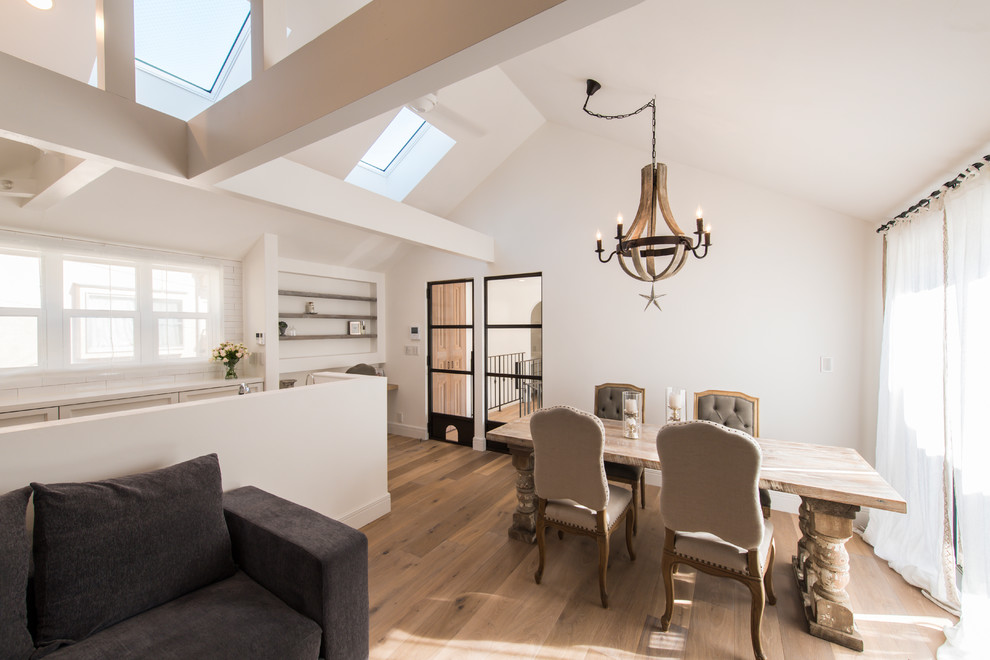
(189, 40)
(402, 155)
(393, 140)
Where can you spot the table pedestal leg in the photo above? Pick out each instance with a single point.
(822, 570)
(524, 519)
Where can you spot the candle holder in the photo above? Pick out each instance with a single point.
(675, 404)
(632, 413)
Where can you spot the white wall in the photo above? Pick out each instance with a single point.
(785, 283)
(323, 447)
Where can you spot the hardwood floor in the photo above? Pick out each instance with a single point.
(447, 582)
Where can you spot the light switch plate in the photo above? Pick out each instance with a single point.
(825, 365)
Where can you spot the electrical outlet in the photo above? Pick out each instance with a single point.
(825, 365)
(401, 417)
(412, 350)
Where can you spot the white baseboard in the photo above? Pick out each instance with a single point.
(786, 502)
(407, 430)
(369, 512)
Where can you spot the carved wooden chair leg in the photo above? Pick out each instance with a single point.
(635, 518)
(768, 577)
(756, 617)
(541, 541)
(667, 569)
(630, 530)
(642, 490)
(602, 557)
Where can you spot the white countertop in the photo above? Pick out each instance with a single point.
(85, 396)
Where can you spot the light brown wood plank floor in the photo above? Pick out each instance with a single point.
(447, 582)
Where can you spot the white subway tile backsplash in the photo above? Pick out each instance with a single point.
(159, 380)
(32, 393)
(8, 395)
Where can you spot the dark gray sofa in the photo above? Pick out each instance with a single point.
(165, 565)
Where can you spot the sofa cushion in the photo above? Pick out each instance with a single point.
(107, 550)
(15, 556)
(235, 618)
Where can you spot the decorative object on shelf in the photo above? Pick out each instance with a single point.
(291, 332)
(286, 383)
(311, 307)
(230, 354)
(282, 325)
(354, 328)
(638, 248)
(632, 413)
(675, 404)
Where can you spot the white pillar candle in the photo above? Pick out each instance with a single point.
(631, 407)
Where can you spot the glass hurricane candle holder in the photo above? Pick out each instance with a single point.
(675, 404)
(632, 413)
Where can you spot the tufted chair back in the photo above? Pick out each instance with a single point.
(733, 409)
(608, 400)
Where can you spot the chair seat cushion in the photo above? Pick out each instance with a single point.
(623, 472)
(710, 549)
(570, 512)
(233, 618)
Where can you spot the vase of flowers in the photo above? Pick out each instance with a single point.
(229, 354)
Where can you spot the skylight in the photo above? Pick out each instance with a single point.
(402, 155)
(189, 42)
(393, 140)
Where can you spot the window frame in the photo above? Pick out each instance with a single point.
(55, 319)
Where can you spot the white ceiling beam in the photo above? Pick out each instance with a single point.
(56, 113)
(60, 176)
(115, 47)
(380, 57)
(269, 41)
(289, 185)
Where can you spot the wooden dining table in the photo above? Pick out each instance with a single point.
(834, 483)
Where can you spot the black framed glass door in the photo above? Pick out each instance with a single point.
(450, 360)
(513, 349)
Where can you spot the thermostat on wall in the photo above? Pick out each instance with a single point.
(414, 333)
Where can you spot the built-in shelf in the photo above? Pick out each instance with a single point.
(335, 296)
(300, 337)
(303, 315)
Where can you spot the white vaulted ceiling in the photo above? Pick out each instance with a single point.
(856, 107)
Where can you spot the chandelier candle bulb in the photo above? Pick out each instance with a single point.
(618, 227)
(598, 238)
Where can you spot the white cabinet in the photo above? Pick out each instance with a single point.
(117, 405)
(217, 392)
(28, 416)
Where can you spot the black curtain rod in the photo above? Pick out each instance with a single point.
(948, 185)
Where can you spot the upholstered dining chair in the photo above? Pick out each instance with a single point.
(608, 405)
(572, 492)
(711, 512)
(363, 369)
(737, 411)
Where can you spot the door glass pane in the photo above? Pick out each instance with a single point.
(452, 304)
(515, 351)
(516, 301)
(452, 394)
(452, 348)
(511, 398)
(19, 347)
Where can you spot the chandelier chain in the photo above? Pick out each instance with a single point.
(651, 104)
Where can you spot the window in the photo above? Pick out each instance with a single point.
(20, 309)
(62, 308)
(402, 155)
(191, 43)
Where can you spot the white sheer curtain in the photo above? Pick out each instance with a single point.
(933, 445)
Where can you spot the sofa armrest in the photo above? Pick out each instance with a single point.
(317, 565)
